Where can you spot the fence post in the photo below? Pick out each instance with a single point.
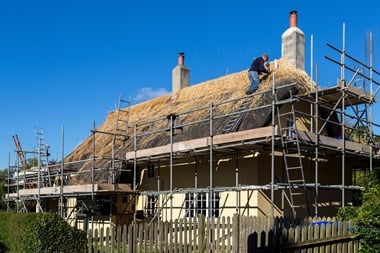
(90, 239)
(263, 241)
(201, 233)
(252, 242)
(96, 245)
(236, 233)
(271, 239)
(125, 234)
(101, 240)
(131, 238)
(118, 238)
(106, 237)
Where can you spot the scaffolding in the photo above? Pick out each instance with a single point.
(345, 109)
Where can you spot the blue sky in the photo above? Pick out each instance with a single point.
(64, 63)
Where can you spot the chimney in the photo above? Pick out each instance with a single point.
(180, 74)
(293, 43)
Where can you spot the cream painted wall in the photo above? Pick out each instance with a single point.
(303, 117)
(251, 203)
(254, 171)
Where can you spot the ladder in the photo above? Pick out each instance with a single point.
(235, 119)
(292, 156)
(122, 117)
(120, 132)
(43, 158)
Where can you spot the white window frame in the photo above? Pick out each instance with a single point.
(150, 205)
(198, 203)
(290, 127)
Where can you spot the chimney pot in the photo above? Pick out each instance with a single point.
(181, 58)
(293, 19)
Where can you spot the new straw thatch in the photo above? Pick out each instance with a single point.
(155, 112)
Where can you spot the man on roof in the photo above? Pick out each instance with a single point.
(259, 66)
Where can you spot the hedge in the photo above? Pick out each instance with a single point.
(39, 232)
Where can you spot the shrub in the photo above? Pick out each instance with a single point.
(367, 216)
(39, 232)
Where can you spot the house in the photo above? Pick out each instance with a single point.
(209, 148)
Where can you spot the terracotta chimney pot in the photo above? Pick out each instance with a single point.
(181, 58)
(293, 19)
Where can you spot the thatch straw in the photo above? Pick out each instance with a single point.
(227, 87)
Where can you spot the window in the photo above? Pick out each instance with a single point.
(290, 128)
(198, 203)
(173, 122)
(150, 205)
(105, 206)
(150, 170)
(189, 205)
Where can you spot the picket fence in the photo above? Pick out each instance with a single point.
(225, 234)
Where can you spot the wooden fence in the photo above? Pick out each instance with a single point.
(225, 234)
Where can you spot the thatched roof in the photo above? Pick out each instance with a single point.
(202, 95)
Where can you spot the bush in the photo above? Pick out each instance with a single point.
(367, 216)
(39, 232)
(347, 213)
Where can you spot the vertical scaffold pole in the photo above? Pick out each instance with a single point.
(17, 169)
(316, 162)
(93, 162)
(371, 102)
(273, 140)
(237, 204)
(343, 114)
(311, 82)
(159, 207)
(211, 157)
(171, 166)
(134, 166)
(211, 190)
(62, 174)
(39, 166)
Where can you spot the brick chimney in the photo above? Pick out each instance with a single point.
(180, 74)
(293, 42)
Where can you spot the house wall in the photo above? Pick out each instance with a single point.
(244, 202)
(252, 171)
(198, 175)
(124, 210)
(303, 120)
(71, 215)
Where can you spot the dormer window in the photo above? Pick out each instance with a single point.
(173, 122)
(290, 127)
